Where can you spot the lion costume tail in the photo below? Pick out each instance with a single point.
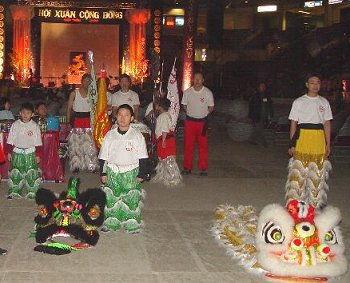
(235, 230)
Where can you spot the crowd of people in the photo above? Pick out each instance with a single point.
(123, 159)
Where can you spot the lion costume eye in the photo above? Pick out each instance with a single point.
(272, 234)
(331, 237)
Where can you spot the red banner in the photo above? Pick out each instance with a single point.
(188, 45)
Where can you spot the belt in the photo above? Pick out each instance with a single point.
(195, 119)
(205, 120)
(168, 136)
(306, 126)
(24, 150)
(82, 114)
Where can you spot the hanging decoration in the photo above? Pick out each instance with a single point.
(156, 27)
(137, 46)
(21, 56)
(2, 41)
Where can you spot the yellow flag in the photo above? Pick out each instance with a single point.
(102, 123)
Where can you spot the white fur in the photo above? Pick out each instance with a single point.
(328, 219)
(324, 222)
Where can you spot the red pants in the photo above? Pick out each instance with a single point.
(2, 155)
(193, 133)
(169, 150)
(81, 122)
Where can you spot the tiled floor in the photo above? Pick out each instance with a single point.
(176, 244)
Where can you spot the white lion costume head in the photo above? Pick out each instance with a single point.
(298, 241)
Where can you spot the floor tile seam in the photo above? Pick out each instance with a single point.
(194, 255)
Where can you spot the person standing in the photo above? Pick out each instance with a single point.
(126, 96)
(25, 138)
(167, 170)
(310, 137)
(198, 103)
(81, 146)
(79, 102)
(261, 113)
(123, 166)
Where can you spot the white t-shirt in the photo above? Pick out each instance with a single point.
(131, 98)
(313, 110)
(123, 151)
(149, 109)
(81, 104)
(163, 124)
(25, 135)
(197, 102)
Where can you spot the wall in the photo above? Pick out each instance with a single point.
(58, 40)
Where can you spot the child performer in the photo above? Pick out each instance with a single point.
(25, 137)
(123, 166)
(310, 134)
(167, 169)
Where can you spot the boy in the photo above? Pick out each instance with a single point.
(45, 120)
(310, 134)
(123, 166)
(167, 169)
(25, 137)
(41, 110)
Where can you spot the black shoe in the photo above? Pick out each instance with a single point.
(105, 230)
(203, 173)
(186, 172)
(9, 197)
(3, 251)
(76, 171)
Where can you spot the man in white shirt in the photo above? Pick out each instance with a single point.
(126, 96)
(198, 103)
(311, 109)
(310, 134)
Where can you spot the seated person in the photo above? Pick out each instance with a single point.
(5, 112)
(41, 110)
(42, 117)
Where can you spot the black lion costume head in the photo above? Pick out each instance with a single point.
(71, 214)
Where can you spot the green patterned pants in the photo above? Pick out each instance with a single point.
(24, 176)
(124, 195)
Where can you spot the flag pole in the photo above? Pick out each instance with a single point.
(92, 91)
